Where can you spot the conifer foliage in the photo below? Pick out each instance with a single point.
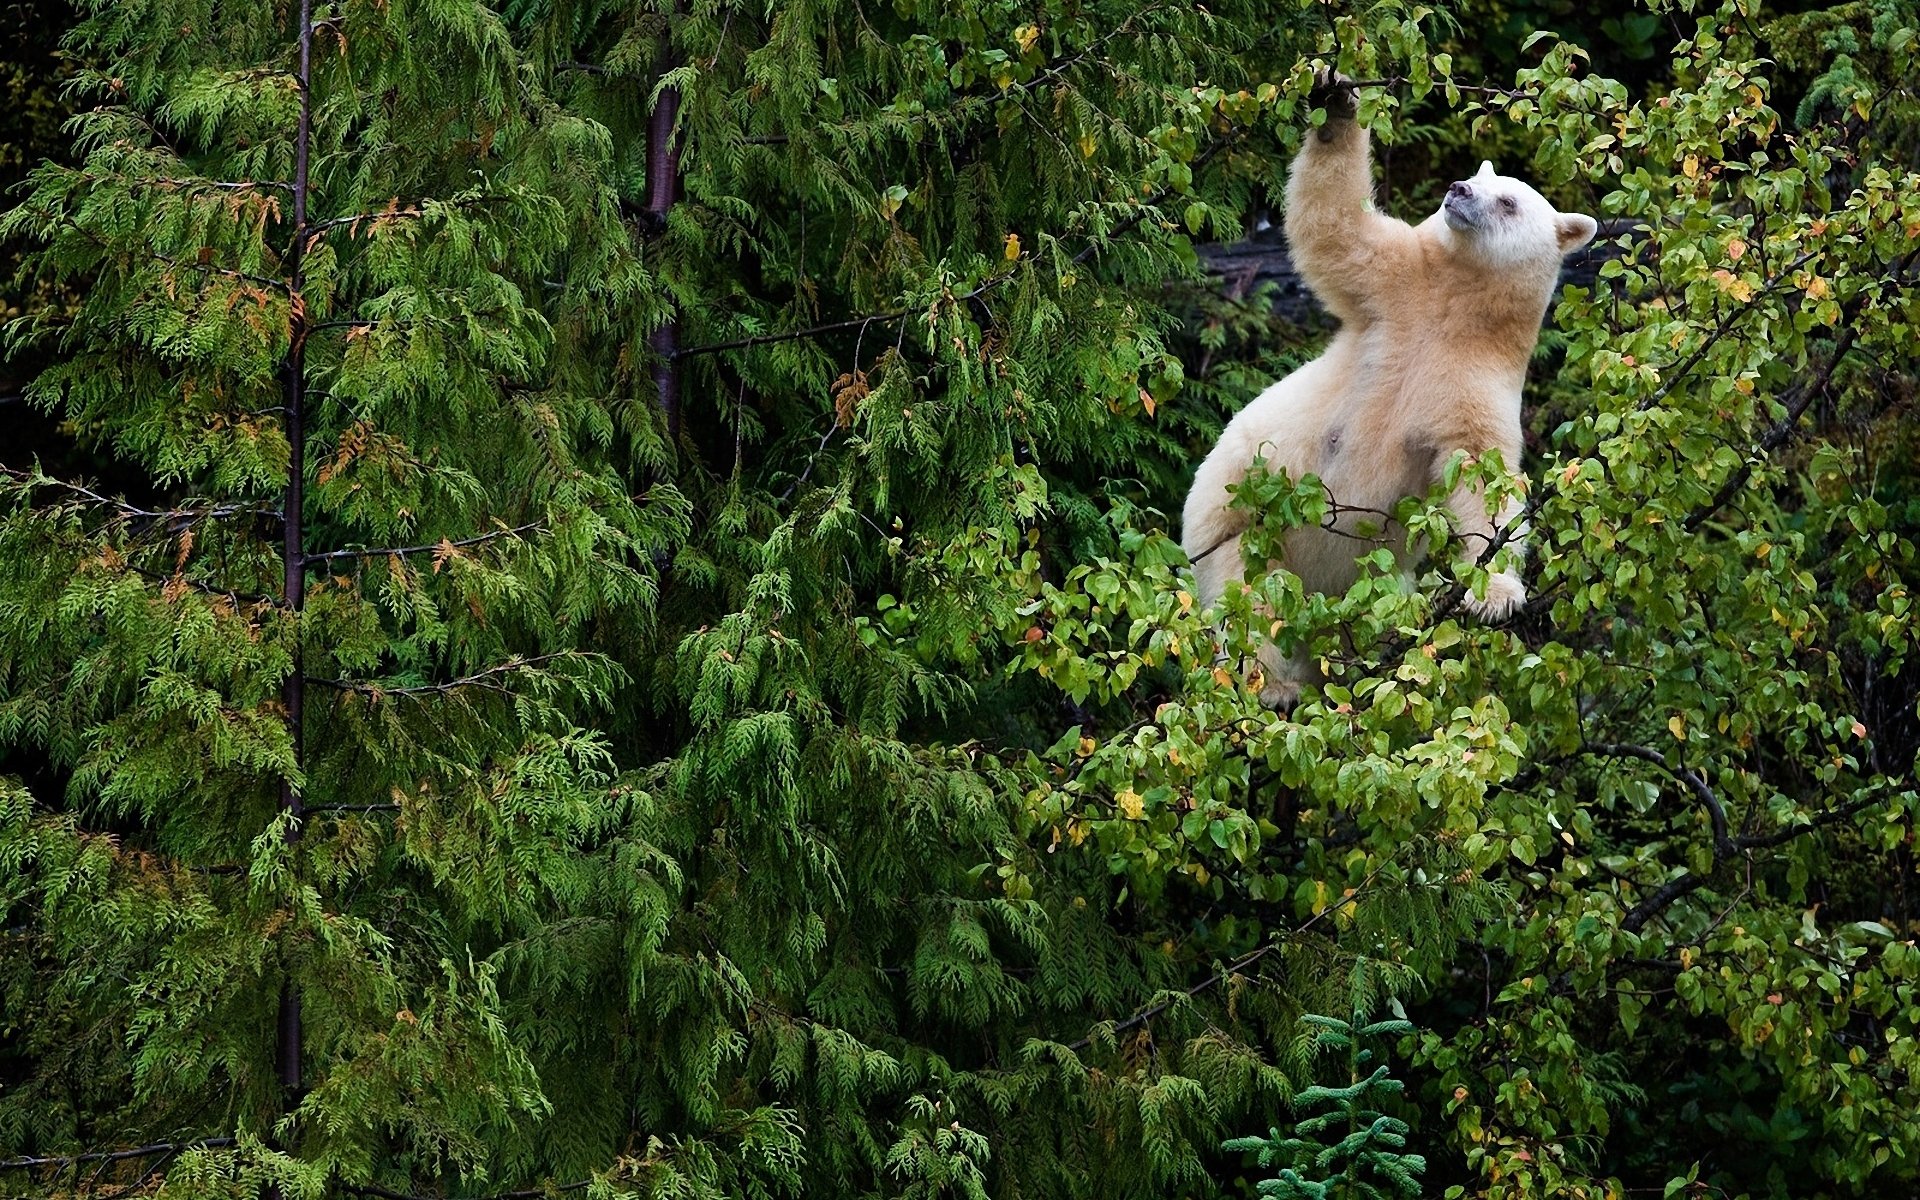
(310, 690)
(622, 638)
(1367, 1159)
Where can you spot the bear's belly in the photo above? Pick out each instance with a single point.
(1367, 469)
(1364, 488)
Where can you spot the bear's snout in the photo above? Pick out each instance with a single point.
(1460, 191)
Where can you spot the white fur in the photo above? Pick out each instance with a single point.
(1437, 323)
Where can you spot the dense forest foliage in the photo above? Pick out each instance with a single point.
(589, 604)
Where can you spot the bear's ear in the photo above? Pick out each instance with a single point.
(1574, 230)
(1486, 167)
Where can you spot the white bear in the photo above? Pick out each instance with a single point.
(1437, 322)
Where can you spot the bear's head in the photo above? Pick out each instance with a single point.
(1507, 224)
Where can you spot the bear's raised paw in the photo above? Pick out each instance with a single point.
(1333, 92)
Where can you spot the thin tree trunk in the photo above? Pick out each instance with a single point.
(663, 190)
(294, 587)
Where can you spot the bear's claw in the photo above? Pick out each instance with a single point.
(1333, 92)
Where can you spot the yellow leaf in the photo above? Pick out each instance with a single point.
(1146, 401)
(1736, 248)
(1085, 747)
(1013, 246)
(1087, 145)
(1221, 677)
(1690, 166)
(1131, 805)
(1026, 36)
(1733, 285)
(1678, 725)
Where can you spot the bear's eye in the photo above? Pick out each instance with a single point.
(1506, 204)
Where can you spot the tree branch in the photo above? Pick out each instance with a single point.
(132, 512)
(1832, 816)
(415, 210)
(113, 1156)
(368, 1189)
(1687, 882)
(481, 679)
(381, 552)
(1246, 960)
(1680, 885)
(1672, 375)
(1723, 845)
(1777, 435)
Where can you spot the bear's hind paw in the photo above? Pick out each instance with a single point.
(1505, 596)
